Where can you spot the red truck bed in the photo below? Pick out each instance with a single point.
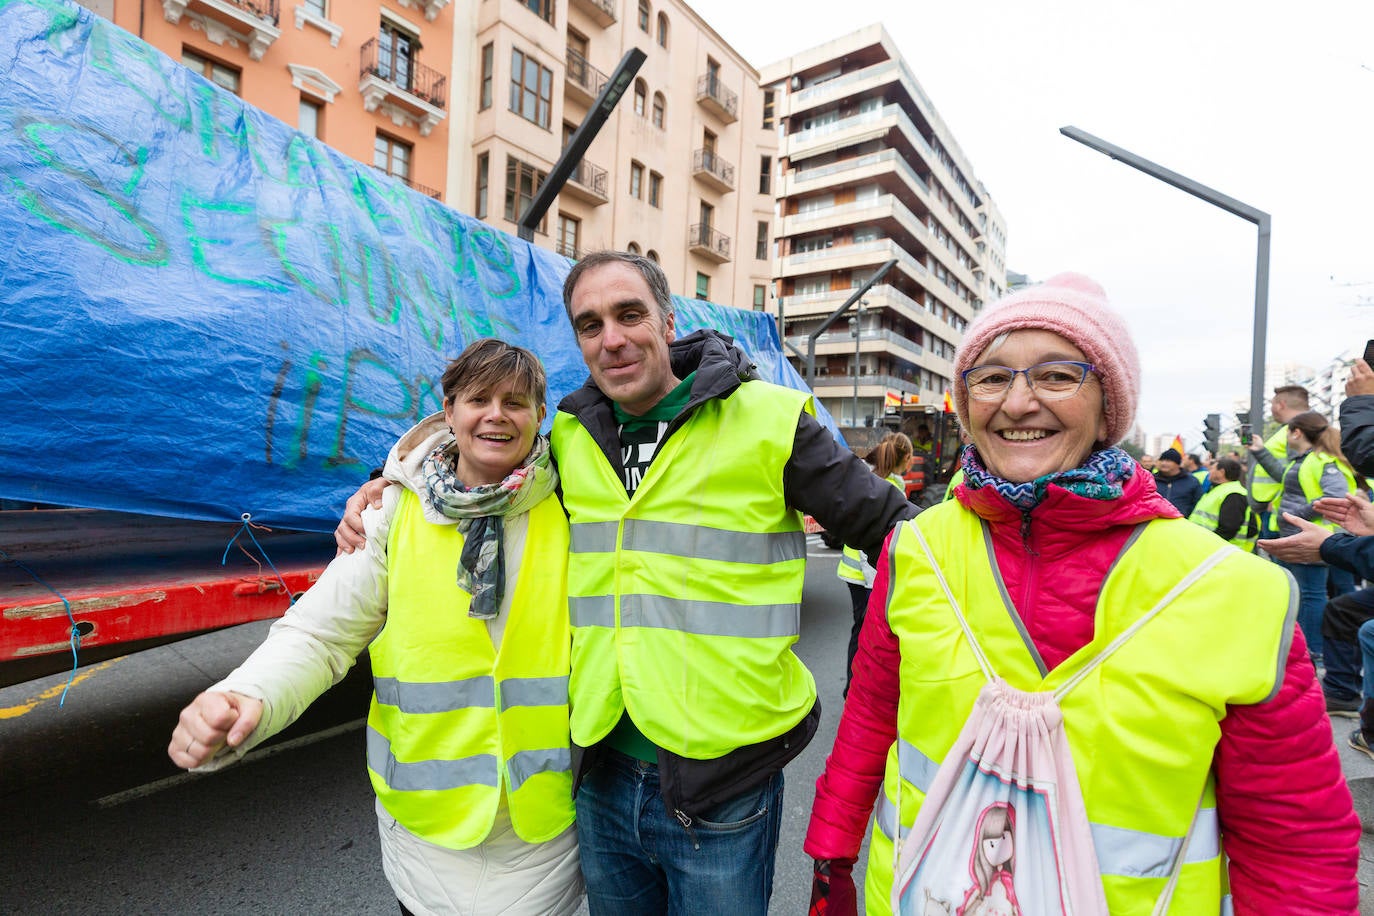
(131, 579)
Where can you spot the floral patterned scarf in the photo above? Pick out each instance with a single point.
(1099, 477)
(480, 511)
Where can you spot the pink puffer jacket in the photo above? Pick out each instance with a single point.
(1289, 826)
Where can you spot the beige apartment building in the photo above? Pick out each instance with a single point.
(682, 170)
(870, 173)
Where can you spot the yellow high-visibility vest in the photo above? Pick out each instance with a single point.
(1141, 796)
(1208, 509)
(454, 722)
(686, 598)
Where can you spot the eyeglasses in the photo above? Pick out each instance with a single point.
(1050, 381)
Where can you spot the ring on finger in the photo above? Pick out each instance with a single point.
(188, 746)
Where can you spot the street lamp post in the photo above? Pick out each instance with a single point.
(1231, 205)
(855, 331)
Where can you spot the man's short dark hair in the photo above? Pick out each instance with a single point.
(652, 273)
(1295, 396)
(1229, 467)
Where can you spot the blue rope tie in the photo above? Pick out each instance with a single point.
(248, 527)
(75, 633)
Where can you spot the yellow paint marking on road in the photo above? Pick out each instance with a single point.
(14, 712)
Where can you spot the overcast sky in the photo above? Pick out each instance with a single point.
(1270, 103)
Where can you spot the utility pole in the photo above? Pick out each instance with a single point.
(855, 330)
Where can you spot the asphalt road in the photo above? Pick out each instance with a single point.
(94, 819)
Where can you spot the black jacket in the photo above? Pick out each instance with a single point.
(1357, 432)
(1182, 491)
(821, 478)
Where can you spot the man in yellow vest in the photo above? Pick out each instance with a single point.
(684, 479)
(1224, 509)
(1264, 490)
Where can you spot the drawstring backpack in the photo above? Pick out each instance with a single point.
(1003, 830)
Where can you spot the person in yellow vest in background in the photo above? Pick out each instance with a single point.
(1224, 510)
(923, 441)
(1193, 464)
(1263, 488)
(889, 459)
(1058, 624)
(460, 597)
(1315, 469)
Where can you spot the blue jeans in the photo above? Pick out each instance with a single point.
(1311, 578)
(1366, 640)
(637, 858)
(1345, 614)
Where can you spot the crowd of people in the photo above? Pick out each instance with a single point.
(582, 644)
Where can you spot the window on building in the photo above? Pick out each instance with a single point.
(483, 181)
(760, 297)
(569, 240)
(644, 16)
(541, 8)
(703, 286)
(222, 75)
(708, 215)
(655, 189)
(769, 102)
(765, 174)
(636, 181)
(761, 243)
(522, 180)
(660, 110)
(392, 156)
(663, 30)
(632, 248)
(651, 255)
(396, 54)
(531, 88)
(308, 121)
(641, 92)
(318, 7)
(488, 72)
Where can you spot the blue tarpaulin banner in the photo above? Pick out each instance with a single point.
(206, 313)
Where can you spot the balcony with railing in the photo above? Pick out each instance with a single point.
(716, 97)
(602, 12)
(583, 82)
(704, 240)
(588, 183)
(402, 88)
(710, 169)
(252, 22)
(414, 185)
(567, 249)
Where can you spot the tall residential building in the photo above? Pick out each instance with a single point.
(348, 72)
(682, 170)
(870, 173)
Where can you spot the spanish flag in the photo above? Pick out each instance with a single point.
(892, 399)
(949, 403)
(1177, 444)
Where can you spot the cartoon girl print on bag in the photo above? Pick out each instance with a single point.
(992, 864)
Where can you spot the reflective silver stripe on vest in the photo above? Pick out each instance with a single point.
(592, 610)
(592, 537)
(444, 696)
(702, 543)
(534, 691)
(710, 618)
(1135, 854)
(1120, 851)
(852, 562)
(525, 764)
(428, 775)
(887, 817)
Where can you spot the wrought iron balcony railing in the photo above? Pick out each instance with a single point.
(404, 72)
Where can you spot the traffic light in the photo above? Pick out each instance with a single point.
(1211, 433)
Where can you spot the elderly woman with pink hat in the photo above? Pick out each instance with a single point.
(1127, 693)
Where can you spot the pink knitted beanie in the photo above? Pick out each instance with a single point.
(1074, 307)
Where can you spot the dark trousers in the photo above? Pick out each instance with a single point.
(1341, 621)
(858, 597)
